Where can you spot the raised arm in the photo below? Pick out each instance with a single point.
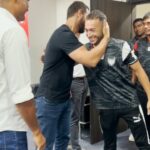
(92, 57)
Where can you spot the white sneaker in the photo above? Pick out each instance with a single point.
(131, 138)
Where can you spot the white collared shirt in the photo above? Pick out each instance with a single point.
(14, 72)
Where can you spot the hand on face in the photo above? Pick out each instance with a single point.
(106, 29)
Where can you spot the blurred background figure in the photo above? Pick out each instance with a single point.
(79, 88)
(139, 30)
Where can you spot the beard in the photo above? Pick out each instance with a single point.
(98, 40)
(81, 27)
(147, 34)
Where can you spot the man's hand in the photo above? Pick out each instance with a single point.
(39, 140)
(106, 30)
(28, 111)
(148, 107)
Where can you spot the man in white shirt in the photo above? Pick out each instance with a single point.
(17, 106)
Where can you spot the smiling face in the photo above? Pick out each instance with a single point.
(93, 29)
(138, 28)
(147, 26)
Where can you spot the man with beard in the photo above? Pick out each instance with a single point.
(111, 88)
(143, 49)
(53, 95)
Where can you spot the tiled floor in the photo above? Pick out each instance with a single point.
(122, 143)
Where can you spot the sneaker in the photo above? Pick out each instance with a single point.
(131, 138)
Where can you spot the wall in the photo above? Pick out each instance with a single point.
(42, 22)
(62, 7)
(141, 9)
(119, 16)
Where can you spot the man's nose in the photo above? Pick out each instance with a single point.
(89, 34)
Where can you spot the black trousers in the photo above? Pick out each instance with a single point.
(143, 100)
(109, 119)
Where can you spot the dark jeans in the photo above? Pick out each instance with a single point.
(13, 140)
(54, 119)
(109, 119)
(79, 89)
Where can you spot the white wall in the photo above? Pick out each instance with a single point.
(142, 9)
(62, 6)
(42, 22)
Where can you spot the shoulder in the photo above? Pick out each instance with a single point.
(122, 45)
(115, 45)
(142, 41)
(63, 30)
(62, 33)
(9, 27)
(6, 23)
(116, 41)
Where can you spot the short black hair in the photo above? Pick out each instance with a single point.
(96, 14)
(137, 20)
(146, 16)
(75, 7)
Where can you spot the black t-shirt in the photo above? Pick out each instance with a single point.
(110, 81)
(56, 78)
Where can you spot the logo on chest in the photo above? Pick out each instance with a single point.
(111, 60)
(148, 49)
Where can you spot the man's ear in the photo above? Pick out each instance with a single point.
(79, 12)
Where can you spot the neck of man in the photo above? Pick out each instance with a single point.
(140, 36)
(8, 6)
(71, 23)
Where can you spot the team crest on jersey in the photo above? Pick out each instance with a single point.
(148, 49)
(111, 60)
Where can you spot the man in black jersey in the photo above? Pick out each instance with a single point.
(53, 95)
(111, 88)
(139, 31)
(143, 50)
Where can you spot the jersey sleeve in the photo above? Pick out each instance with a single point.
(128, 54)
